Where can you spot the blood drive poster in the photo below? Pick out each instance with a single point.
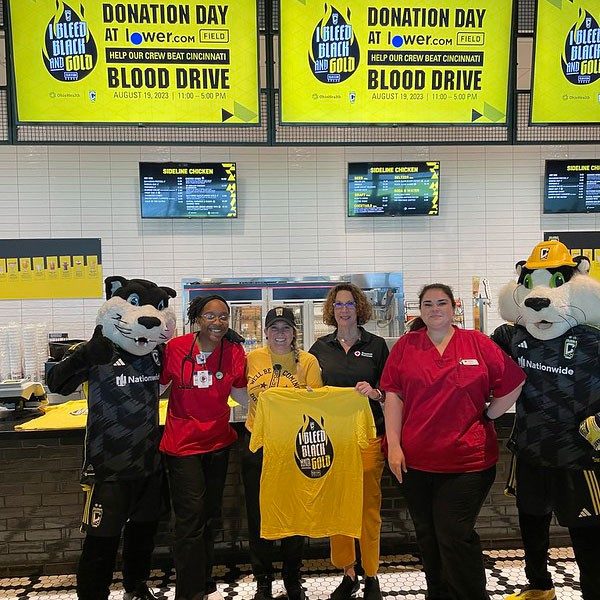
(566, 70)
(135, 62)
(379, 61)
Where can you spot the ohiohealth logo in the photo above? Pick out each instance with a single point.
(528, 364)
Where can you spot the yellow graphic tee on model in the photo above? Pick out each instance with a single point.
(311, 481)
(266, 369)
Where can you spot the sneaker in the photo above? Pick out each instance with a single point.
(264, 589)
(347, 588)
(371, 590)
(530, 593)
(141, 592)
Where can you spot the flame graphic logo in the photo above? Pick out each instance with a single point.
(580, 60)
(334, 53)
(314, 451)
(69, 52)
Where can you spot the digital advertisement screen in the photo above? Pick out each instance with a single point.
(438, 62)
(393, 189)
(572, 186)
(188, 191)
(566, 67)
(104, 61)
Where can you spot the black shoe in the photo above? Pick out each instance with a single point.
(295, 591)
(264, 589)
(371, 590)
(141, 592)
(347, 588)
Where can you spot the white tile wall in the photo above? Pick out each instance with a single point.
(292, 217)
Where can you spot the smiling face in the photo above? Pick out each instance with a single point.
(344, 309)
(280, 336)
(213, 323)
(437, 311)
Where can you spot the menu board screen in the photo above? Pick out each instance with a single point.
(393, 189)
(572, 186)
(183, 190)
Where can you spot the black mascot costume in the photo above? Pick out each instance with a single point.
(122, 473)
(556, 436)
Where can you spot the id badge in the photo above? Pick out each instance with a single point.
(202, 379)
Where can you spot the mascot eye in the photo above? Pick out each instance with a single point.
(528, 282)
(134, 299)
(557, 280)
(161, 305)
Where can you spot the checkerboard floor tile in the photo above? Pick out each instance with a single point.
(400, 577)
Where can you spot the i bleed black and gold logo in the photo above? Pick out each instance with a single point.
(69, 52)
(334, 54)
(581, 58)
(314, 451)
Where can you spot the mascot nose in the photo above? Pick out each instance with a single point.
(537, 303)
(149, 322)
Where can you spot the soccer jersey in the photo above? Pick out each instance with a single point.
(266, 370)
(311, 481)
(122, 432)
(562, 389)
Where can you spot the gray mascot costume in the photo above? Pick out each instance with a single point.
(556, 436)
(122, 473)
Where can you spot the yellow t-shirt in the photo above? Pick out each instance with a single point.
(311, 481)
(262, 374)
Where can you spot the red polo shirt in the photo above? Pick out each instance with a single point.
(443, 430)
(198, 418)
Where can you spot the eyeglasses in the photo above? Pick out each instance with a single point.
(348, 305)
(212, 317)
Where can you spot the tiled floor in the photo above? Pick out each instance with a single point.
(400, 576)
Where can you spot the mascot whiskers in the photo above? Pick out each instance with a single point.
(554, 310)
(122, 473)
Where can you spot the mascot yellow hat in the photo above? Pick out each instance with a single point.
(549, 255)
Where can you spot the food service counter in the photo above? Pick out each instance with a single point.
(41, 504)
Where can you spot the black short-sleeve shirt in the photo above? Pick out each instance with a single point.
(363, 362)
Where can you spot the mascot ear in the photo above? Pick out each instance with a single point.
(170, 291)
(583, 264)
(112, 284)
(519, 267)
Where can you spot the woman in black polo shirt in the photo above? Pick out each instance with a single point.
(354, 357)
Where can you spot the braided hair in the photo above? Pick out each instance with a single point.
(196, 306)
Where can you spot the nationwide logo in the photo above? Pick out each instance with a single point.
(537, 366)
(314, 451)
(123, 380)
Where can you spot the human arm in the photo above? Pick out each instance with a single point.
(393, 410)
(498, 406)
(72, 371)
(372, 393)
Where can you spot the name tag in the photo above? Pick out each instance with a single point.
(469, 362)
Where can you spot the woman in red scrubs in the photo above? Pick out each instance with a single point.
(203, 368)
(442, 443)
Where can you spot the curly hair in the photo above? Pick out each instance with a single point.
(364, 309)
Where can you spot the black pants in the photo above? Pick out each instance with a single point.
(444, 509)
(261, 550)
(536, 542)
(97, 562)
(196, 484)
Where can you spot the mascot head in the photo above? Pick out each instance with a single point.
(136, 315)
(552, 294)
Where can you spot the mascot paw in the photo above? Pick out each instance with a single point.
(99, 349)
(590, 430)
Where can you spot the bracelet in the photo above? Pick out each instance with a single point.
(380, 397)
